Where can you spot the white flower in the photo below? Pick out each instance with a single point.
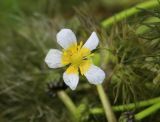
(77, 57)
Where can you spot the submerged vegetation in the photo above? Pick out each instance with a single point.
(129, 53)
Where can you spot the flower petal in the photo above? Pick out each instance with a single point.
(95, 75)
(71, 80)
(66, 38)
(53, 58)
(92, 42)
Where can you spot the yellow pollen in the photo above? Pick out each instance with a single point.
(78, 57)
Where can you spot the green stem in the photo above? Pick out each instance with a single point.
(68, 103)
(147, 111)
(106, 104)
(129, 12)
(128, 106)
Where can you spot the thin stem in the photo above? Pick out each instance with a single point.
(147, 111)
(106, 104)
(129, 12)
(128, 106)
(68, 103)
(136, 105)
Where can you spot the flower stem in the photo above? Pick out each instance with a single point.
(129, 12)
(147, 111)
(68, 103)
(106, 104)
(128, 106)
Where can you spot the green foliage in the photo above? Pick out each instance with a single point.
(24, 75)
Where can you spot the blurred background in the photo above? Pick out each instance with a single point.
(28, 30)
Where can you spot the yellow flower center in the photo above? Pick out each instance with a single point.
(78, 57)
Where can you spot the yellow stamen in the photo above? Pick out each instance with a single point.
(78, 57)
(72, 70)
(84, 66)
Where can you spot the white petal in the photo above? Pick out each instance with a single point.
(53, 58)
(95, 75)
(71, 80)
(65, 38)
(92, 42)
